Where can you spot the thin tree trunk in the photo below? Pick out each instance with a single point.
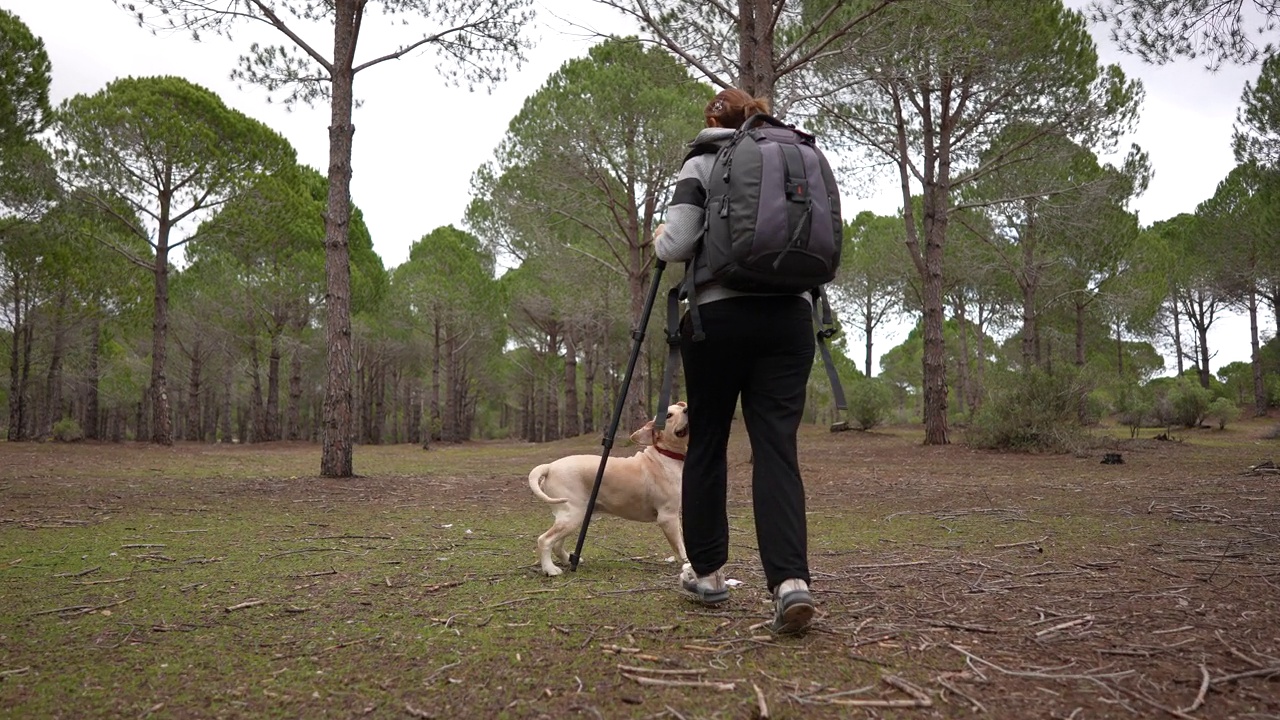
(293, 425)
(17, 375)
(572, 423)
(258, 417)
(436, 425)
(553, 397)
(337, 446)
(162, 427)
(226, 400)
(962, 370)
(193, 394)
(273, 389)
(91, 425)
(53, 378)
(1259, 386)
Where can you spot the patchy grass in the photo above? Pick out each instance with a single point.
(206, 582)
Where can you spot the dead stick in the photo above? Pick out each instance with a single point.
(246, 604)
(15, 671)
(1260, 672)
(141, 545)
(916, 693)
(762, 706)
(1021, 544)
(415, 712)
(680, 683)
(95, 568)
(78, 609)
(889, 565)
(656, 671)
(1204, 688)
(1065, 625)
(976, 705)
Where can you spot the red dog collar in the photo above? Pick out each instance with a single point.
(668, 453)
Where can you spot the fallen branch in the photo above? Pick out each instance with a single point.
(1041, 675)
(1204, 688)
(246, 604)
(93, 569)
(919, 699)
(1063, 626)
(657, 671)
(1260, 672)
(1021, 544)
(680, 683)
(762, 708)
(15, 671)
(80, 609)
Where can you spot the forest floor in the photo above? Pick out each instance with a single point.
(208, 582)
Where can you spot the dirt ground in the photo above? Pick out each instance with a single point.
(951, 582)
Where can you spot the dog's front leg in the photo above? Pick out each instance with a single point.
(670, 524)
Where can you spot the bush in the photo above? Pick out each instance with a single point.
(1188, 403)
(870, 402)
(67, 430)
(1133, 408)
(1032, 410)
(1224, 411)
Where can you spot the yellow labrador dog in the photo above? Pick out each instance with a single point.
(644, 487)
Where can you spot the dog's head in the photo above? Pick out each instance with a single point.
(674, 437)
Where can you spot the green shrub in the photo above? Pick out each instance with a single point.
(1133, 408)
(870, 402)
(67, 430)
(1032, 410)
(1188, 403)
(1224, 411)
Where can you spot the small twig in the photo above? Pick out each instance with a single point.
(1204, 688)
(15, 671)
(439, 670)
(350, 537)
(916, 693)
(674, 713)
(80, 609)
(246, 604)
(141, 545)
(1236, 652)
(93, 569)
(876, 566)
(972, 701)
(415, 712)
(680, 683)
(657, 671)
(1063, 626)
(761, 706)
(962, 626)
(1021, 544)
(1260, 672)
(1044, 676)
(100, 582)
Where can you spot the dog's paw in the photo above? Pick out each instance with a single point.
(552, 571)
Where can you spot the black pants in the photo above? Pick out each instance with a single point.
(762, 349)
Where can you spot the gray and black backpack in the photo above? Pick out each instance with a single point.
(773, 220)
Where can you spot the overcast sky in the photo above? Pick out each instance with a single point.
(418, 141)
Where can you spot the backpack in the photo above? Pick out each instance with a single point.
(773, 210)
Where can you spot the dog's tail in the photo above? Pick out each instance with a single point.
(535, 484)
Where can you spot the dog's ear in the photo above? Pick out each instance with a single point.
(683, 404)
(643, 436)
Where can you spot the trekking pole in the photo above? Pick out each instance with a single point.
(638, 335)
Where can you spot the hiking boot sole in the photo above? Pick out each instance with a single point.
(705, 596)
(796, 613)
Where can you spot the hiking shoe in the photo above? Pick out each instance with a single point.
(710, 589)
(792, 607)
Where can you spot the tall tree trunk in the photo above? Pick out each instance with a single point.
(436, 424)
(592, 360)
(337, 446)
(868, 324)
(636, 408)
(450, 414)
(91, 425)
(553, 397)
(293, 424)
(755, 48)
(1259, 386)
(962, 370)
(980, 350)
(1177, 336)
(161, 425)
(17, 374)
(53, 378)
(273, 389)
(226, 399)
(572, 423)
(1119, 349)
(259, 421)
(193, 394)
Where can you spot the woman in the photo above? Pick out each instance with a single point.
(757, 347)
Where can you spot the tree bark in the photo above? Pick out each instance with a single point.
(91, 424)
(755, 48)
(338, 443)
(572, 424)
(193, 394)
(1255, 357)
